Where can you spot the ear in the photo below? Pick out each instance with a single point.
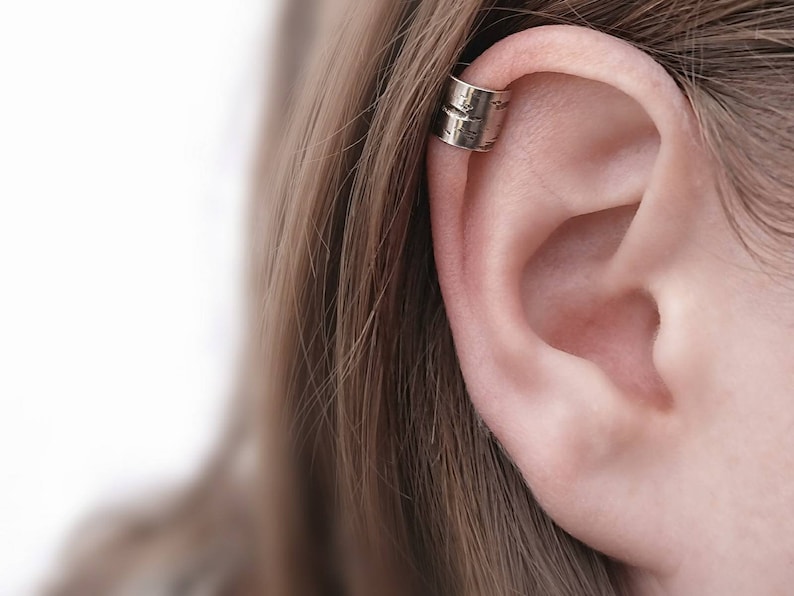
(562, 256)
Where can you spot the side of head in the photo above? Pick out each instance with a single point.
(605, 312)
(558, 367)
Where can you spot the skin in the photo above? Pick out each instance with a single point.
(630, 355)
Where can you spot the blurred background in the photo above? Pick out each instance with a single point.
(126, 134)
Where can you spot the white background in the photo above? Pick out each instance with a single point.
(125, 133)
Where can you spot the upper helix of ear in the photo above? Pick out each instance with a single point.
(584, 139)
(572, 305)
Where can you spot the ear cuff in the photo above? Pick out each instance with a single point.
(470, 117)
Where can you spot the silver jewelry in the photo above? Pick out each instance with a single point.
(470, 117)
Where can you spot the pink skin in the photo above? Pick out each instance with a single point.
(616, 337)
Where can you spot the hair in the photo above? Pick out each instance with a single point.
(372, 472)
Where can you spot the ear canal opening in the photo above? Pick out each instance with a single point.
(572, 307)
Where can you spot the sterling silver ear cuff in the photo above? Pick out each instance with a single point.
(470, 117)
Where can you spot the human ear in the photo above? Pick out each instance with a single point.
(564, 257)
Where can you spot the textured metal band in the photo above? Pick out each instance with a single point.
(470, 117)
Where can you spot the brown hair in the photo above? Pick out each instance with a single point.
(375, 474)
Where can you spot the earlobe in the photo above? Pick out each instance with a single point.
(553, 253)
